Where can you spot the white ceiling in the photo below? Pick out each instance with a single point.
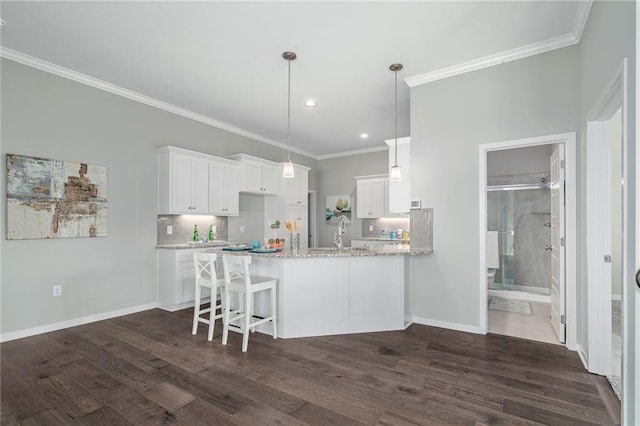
(220, 62)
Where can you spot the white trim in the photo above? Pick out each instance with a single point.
(616, 297)
(569, 140)
(448, 325)
(354, 152)
(612, 97)
(580, 21)
(13, 335)
(401, 141)
(583, 356)
(582, 14)
(408, 324)
(492, 60)
(60, 71)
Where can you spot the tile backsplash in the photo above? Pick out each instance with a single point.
(183, 227)
(421, 228)
(388, 224)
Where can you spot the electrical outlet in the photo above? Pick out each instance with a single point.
(241, 228)
(57, 290)
(370, 228)
(169, 230)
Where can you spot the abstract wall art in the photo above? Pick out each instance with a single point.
(338, 206)
(55, 199)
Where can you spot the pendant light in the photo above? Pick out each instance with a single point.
(396, 174)
(287, 170)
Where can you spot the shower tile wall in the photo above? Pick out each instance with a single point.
(183, 227)
(520, 217)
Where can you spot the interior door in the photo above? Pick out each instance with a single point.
(557, 243)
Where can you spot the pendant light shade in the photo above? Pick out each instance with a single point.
(395, 174)
(287, 170)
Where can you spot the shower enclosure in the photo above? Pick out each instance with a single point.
(518, 209)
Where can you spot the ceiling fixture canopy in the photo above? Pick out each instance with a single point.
(395, 173)
(287, 170)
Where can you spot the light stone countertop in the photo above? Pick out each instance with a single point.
(182, 246)
(332, 252)
(396, 241)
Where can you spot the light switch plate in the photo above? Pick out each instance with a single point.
(169, 230)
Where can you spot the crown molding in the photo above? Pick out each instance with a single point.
(67, 73)
(582, 14)
(354, 152)
(492, 60)
(580, 21)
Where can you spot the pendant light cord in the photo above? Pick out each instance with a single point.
(289, 110)
(396, 162)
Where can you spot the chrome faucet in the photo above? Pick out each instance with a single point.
(337, 237)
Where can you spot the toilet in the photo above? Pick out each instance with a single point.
(493, 256)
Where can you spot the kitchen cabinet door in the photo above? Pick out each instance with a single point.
(176, 278)
(301, 214)
(370, 198)
(257, 178)
(270, 179)
(189, 185)
(223, 189)
(298, 187)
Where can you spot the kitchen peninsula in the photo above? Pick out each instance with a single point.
(328, 291)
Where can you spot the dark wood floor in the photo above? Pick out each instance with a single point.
(147, 368)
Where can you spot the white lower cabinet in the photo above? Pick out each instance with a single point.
(176, 278)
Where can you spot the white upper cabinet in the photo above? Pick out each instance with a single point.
(297, 187)
(370, 198)
(224, 184)
(189, 184)
(258, 176)
(183, 184)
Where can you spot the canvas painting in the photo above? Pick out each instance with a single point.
(55, 199)
(338, 206)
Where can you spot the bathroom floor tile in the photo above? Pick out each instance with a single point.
(533, 327)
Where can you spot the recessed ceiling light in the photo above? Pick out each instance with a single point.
(364, 135)
(310, 103)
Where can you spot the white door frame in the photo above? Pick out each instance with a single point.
(613, 97)
(569, 141)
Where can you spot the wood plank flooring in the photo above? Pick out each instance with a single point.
(147, 368)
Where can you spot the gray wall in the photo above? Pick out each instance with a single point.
(515, 161)
(450, 118)
(52, 117)
(336, 177)
(609, 36)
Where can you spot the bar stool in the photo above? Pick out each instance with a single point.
(239, 280)
(205, 268)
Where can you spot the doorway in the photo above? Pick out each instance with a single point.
(607, 252)
(537, 229)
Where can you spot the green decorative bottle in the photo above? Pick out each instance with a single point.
(195, 233)
(211, 236)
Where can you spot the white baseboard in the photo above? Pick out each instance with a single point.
(13, 335)
(583, 356)
(450, 325)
